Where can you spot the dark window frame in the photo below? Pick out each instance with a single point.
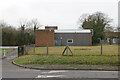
(68, 40)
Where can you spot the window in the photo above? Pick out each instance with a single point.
(70, 41)
(51, 27)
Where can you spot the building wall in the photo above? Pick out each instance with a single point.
(44, 37)
(79, 39)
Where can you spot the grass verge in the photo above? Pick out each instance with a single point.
(67, 60)
(83, 55)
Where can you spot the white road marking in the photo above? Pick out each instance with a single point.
(36, 70)
(49, 76)
(58, 71)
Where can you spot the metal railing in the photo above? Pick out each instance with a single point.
(9, 50)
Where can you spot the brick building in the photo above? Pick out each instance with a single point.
(51, 36)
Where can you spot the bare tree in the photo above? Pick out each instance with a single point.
(3, 24)
(23, 24)
(36, 24)
(81, 19)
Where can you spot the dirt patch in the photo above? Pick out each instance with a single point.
(82, 49)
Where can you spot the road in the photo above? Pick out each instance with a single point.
(12, 72)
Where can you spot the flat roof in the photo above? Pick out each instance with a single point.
(72, 31)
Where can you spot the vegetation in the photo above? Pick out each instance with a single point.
(108, 50)
(97, 22)
(24, 35)
(67, 60)
(89, 55)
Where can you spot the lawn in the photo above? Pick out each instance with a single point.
(85, 55)
(108, 50)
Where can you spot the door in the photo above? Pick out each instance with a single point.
(57, 42)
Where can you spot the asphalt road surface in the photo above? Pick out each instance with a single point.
(12, 72)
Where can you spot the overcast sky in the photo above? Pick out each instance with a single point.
(62, 13)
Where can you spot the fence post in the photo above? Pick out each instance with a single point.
(47, 49)
(4, 53)
(34, 49)
(24, 49)
(101, 47)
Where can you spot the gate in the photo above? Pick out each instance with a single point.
(9, 51)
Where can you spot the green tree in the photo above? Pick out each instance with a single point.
(24, 35)
(9, 36)
(97, 21)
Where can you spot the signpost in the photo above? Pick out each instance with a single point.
(67, 49)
